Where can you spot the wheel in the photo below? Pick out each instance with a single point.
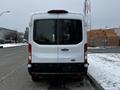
(35, 78)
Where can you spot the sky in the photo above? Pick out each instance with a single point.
(104, 13)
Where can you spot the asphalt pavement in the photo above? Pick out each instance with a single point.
(14, 74)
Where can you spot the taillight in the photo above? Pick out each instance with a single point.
(30, 54)
(29, 48)
(85, 55)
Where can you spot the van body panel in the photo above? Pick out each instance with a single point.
(43, 53)
(53, 53)
(75, 52)
(73, 55)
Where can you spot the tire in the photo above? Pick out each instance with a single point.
(35, 78)
(86, 69)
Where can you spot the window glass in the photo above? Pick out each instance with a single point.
(70, 31)
(45, 31)
(57, 31)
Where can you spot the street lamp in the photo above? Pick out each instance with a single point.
(4, 12)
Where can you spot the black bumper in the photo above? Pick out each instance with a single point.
(57, 68)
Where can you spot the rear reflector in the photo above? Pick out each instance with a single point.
(30, 54)
(29, 48)
(85, 54)
(85, 47)
(29, 61)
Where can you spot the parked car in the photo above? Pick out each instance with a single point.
(2, 41)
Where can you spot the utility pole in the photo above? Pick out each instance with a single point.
(87, 13)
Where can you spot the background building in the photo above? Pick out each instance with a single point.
(103, 37)
(26, 34)
(7, 35)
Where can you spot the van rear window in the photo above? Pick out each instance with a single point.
(57, 31)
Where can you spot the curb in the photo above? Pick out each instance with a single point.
(94, 82)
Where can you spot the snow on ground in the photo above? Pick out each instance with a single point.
(105, 68)
(12, 44)
(96, 48)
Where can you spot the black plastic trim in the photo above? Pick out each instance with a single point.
(63, 68)
(57, 11)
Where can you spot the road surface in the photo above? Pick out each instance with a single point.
(14, 75)
(105, 50)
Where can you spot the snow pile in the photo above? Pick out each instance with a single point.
(105, 68)
(12, 44)
(96, 48)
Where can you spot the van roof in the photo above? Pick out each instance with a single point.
(37, 15)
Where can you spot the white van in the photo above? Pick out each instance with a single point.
(57, 44)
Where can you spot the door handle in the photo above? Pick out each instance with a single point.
(65, 49)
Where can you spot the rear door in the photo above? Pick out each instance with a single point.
(44, 45)
(70, 35)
